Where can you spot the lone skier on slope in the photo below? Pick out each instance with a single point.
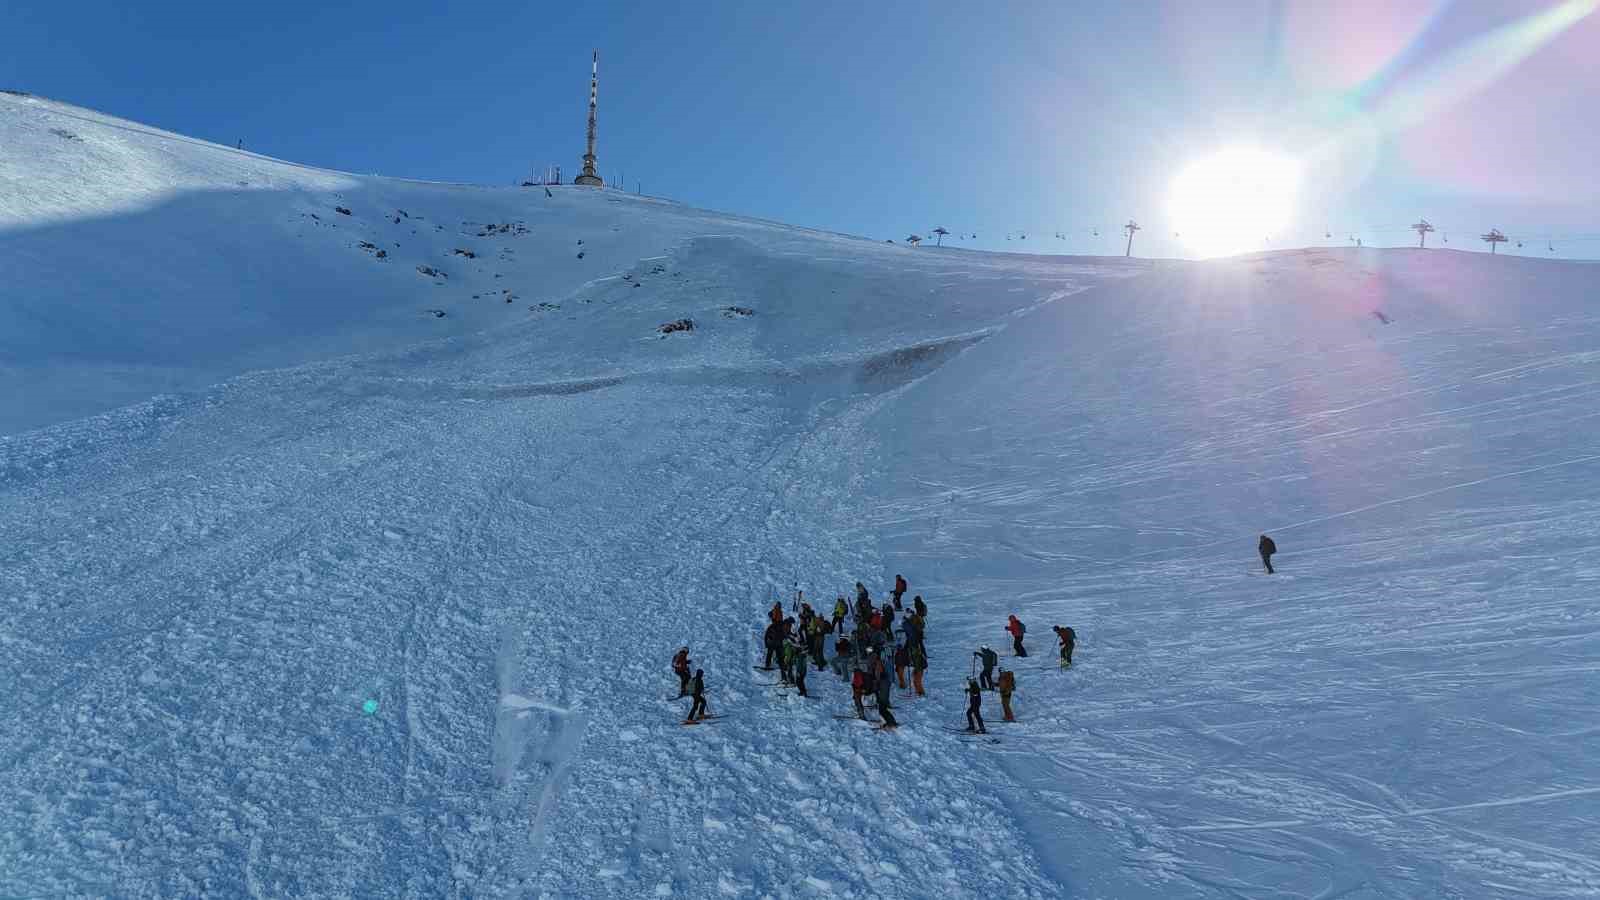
(1017, 630)
(1068, 639)
(990, 659)
(1266, 548)
(974, 704)
(697, 688)
(680, 667)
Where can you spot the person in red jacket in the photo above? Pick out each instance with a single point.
(680, 667)
(776, 612)
(1017, 630)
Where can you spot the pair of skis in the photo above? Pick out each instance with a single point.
(975, 736)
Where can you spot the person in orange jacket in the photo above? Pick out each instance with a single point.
(1017, 630)
(1007, 683)
(919, 664)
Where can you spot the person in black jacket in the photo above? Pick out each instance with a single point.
(774, 642)
(1266, 548)
(697, 689)
(974, 703)
(989, 659)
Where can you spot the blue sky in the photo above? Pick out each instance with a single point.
(883, 119)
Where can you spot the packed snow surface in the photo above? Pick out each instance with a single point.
(306, 590)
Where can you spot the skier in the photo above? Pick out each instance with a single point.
(795, 665)
(858, 687)
(912, 627)
(697, 688)
(899, 589)
(1266, 548)
(861, 594)
(1068, 639)
(902, 658)
(920, 607)
(839, 610)
(1007, 684)
(680, 667)
(880, 676)
(888, 617)
(919, 663)
(974, 704)
(1017, 630)
(989, 659)
(817, 641)
(776, 612)
(773, 640)
(842, 652)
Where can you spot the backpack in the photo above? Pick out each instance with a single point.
(1021, 627)
(858, 681)
(1068, 635)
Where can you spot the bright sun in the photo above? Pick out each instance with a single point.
(1231, 201)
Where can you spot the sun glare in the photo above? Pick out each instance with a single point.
(1234, 200)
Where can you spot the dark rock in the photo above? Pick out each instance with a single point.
(403, 213)
(679, 325)
(436, 313)
(467, 253)
(368, 245)
(431, 272)
(343, 211)
(580, 254)
(381, 254)
(732, 311)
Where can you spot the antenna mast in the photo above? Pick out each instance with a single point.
(590, 176)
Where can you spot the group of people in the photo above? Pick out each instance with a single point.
(865, 655)
(873, 652)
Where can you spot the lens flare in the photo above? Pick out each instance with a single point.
(1231, 201)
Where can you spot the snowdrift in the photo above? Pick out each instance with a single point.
(309, 590)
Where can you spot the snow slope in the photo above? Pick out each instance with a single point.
(499, 525)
